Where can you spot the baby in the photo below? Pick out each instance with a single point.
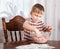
(34, 28)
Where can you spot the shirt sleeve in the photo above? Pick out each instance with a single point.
(27, 20)
(44, 27)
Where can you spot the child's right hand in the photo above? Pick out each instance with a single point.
(38, 33)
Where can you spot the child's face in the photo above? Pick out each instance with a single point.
(36, 15)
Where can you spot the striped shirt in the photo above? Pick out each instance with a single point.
(40, 26)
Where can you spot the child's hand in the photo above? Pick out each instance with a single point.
(49, 28)
(37, 33)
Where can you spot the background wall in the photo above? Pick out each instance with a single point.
(10, 8)
(53, 17)
(57, 14)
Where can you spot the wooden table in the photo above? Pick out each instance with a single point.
(56, 44)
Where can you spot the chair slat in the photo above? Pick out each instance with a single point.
(20, 35)
(11, 36)
(15, 36)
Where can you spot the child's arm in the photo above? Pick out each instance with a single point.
(30, 27)
(47, 29)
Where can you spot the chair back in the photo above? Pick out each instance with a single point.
(15, 24)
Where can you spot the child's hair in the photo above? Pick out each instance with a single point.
(38, 6)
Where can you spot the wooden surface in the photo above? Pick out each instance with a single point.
(56, 44)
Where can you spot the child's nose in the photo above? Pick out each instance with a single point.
(36, 15)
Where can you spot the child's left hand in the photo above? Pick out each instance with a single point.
(49, 28)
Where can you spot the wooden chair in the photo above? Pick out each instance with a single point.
(15, 24)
